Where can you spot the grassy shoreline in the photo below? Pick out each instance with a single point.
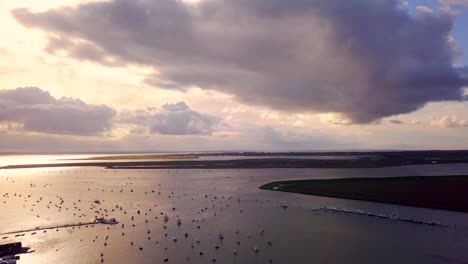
(436, 192)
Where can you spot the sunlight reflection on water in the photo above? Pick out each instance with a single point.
(210, 198)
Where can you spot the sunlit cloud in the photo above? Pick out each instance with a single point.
(38, 111)
(171, 119)
(449, 122)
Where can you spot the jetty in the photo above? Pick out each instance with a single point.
(103, 221)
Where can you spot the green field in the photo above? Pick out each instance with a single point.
(438, 192)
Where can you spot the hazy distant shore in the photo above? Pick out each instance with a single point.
(437, 192)
(242, 164)
(255, 160)
(144, 157)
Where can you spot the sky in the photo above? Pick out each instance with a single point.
(242, 75)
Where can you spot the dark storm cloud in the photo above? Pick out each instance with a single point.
(38, 111)
(365, 59)
(172, 119)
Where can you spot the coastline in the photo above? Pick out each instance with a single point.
(436, 192)
(252, 163)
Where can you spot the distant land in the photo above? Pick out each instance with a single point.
(143, 157)
(437, 192)
(256, 160)
(232, 152)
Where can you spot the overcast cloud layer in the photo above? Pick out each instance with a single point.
(364, 59)
(38, 111)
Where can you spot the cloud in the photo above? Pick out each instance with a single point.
(462, 3)
(396, 122)
(335, 119)
(254, 138)
(283, 138)
(271, 136)
(38, 111)
(425, 9)
(404, 122)
(33, 109)
(449, 122)
(171, 119)
(454, 7)
(360, 59)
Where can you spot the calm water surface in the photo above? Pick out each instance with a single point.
(210, 202)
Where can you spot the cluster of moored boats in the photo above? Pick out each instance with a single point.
(390, 217)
